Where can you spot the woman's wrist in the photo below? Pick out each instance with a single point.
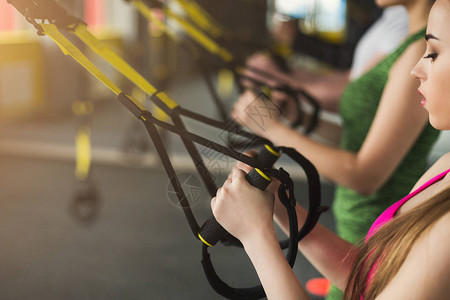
(264, 236)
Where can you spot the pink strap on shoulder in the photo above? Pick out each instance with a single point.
(389, 213)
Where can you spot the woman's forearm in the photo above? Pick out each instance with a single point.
(275, 274)
(327, 252)
(340, 166)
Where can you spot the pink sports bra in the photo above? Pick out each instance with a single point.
(389, 213)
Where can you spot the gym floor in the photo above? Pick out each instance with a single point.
(139, 246)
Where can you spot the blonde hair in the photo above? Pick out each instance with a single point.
(387, 249)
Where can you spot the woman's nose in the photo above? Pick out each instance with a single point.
(417, 71)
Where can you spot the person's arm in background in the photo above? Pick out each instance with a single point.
(378, 41)
(397, 124)
(325, 86)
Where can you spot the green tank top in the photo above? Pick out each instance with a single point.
(355, 213)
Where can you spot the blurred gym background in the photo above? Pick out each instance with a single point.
(114, 232)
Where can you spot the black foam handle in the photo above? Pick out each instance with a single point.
(268, 155)
(211, 231)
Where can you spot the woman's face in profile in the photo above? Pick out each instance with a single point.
(433, 69)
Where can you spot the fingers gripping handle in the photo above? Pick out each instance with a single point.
(211, 232)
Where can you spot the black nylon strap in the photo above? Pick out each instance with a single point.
(198, 161)
(215, 97)
(314, 193)
(308, 97)
(188, 139)
(178, 128)
(313, 213)
(162, 152)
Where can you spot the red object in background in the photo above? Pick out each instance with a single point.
(6, 16)
(318, 286)
(94, 12)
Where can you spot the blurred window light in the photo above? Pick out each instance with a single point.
(326, 15)
(295, 8)
(331, 15)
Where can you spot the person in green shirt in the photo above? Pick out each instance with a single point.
(405, 254)
(385, 139)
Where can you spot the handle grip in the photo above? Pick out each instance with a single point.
(211, 231)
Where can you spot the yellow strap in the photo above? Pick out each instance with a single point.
(201, 17)
(200, 37)
(225, 83)
(119, 64)
(83, 152)
(83, 140)
(81, 108)
(147, 12)
(193, 32)
(70, 49)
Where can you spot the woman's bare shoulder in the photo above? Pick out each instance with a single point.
(425, 273)
(441, 165)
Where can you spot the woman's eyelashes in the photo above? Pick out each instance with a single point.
(433, 56)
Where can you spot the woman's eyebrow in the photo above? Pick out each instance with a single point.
(430, 36)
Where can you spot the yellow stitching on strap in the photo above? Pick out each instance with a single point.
(263, 175)
(200, 237)
(271, 150)
(69, 49)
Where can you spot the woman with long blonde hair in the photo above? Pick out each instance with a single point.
(405, 254)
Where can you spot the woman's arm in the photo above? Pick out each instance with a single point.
(327, 252)
(275, 274)
(398, 122)
(325, 86)
(246, 212)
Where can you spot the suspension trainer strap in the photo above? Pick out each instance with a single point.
(201, 17)
(85, 204)
(70, 49)
(200, 37)
(83, 110)
(120, 65)
(148, 13)
(163, 100)
(178, 127)
(197, 35)
(160, 98)
(212, 47)
(188, 46)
